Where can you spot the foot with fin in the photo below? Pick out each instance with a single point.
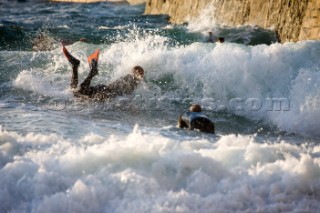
(93, 62)
(75, 62)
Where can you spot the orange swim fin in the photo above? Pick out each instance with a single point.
(94, 57)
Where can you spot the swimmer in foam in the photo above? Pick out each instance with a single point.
(122, 86)
(213, 39)
(195, 119)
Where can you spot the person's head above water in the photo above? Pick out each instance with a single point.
(220, 40)
(194, 119)
(211, 38)
(195, 108)
(138, 72)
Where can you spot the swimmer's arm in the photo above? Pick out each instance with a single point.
(181, 123)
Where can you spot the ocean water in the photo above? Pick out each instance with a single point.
(60, 154)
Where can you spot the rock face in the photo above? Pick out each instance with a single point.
(293, 20)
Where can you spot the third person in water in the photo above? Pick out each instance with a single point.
(195, 119)
(212, 38)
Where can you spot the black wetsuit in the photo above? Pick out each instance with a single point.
(122, 86)
(196, 120)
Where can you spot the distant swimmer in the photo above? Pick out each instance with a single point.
(213, 39)
(122, 86)
(220, 40)
(195, 119)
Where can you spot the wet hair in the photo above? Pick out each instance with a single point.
(195, 108)
(138, 70)
(220, 39)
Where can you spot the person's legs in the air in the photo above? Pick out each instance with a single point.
(75, 65)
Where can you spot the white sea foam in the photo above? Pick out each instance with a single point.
(152, 173)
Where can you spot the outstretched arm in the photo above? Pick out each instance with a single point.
(181, 122)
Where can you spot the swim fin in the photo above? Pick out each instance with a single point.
(93, 62)
(94, 57)
(71, 59)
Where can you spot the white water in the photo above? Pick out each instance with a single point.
(153, 173)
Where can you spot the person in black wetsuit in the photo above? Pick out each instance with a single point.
(195, 119)
(124, 85)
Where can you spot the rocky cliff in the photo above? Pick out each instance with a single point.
(293, 20)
